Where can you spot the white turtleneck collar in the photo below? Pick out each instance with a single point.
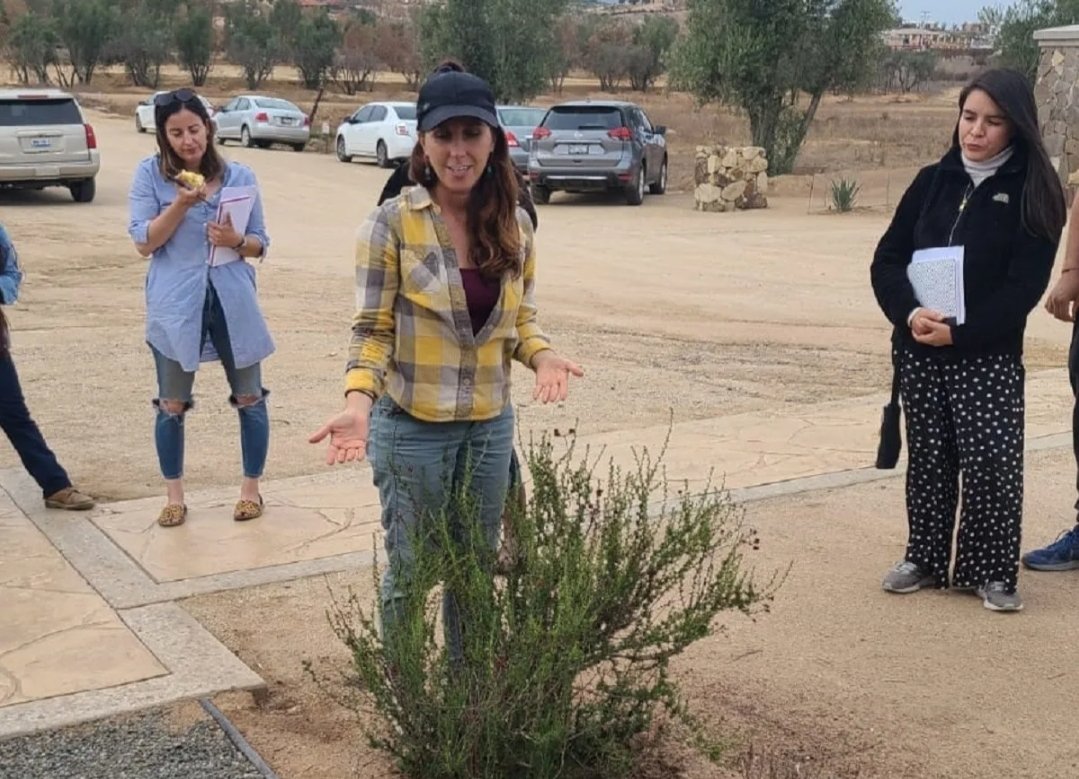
(980, 171)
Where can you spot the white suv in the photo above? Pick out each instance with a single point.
(45, 141)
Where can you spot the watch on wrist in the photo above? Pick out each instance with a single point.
(241, 244)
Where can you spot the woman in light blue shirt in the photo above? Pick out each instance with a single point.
(196, 312)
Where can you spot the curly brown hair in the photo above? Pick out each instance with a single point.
(492, 209)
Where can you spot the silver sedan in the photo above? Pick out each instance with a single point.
(258, 120)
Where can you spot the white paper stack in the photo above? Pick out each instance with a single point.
(236, 203)
(937, 278)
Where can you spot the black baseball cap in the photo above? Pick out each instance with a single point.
(453, 95)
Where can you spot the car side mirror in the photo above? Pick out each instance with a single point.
(660, 129)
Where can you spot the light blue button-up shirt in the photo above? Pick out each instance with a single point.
(10, 272)
(176, 282)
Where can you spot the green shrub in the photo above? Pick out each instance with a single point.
(844, 194)
(566, 659)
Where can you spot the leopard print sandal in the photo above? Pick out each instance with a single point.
(172, 515)
(247, 509)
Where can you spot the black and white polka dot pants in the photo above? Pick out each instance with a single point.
(964, 418)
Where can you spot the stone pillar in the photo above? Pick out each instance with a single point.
(726, 178)
(1057, 93)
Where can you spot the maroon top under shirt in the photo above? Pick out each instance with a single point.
(482, 295)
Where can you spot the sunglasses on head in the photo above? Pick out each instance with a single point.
(175, 96)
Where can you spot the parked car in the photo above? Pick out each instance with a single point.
(258, 120)
(144, 112)
(384, 132)
(519, 121)
(45, 141)
(597, 145)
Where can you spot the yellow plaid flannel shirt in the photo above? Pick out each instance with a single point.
(412, 336)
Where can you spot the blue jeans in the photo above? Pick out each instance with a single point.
(176, 384)
(418, 468)
(24, 435)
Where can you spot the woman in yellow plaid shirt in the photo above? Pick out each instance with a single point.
(445, 277)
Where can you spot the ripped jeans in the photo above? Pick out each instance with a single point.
(176, 384)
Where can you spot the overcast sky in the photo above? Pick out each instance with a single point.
(945, 11)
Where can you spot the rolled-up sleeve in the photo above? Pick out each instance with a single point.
(143, 204)
(373, 326)
(10, 272)
(256, 224)
(530, 337)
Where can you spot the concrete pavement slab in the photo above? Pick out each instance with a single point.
(57, 635)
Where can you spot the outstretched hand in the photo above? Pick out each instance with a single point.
(552, 376)
(348, 436)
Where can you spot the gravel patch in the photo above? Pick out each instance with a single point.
(155, 745)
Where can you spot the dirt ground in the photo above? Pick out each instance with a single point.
(760, 308)
(667, 308)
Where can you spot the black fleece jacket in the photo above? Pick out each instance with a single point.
(1006, 268)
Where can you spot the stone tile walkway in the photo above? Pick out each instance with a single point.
(57, 635)
(88, 622)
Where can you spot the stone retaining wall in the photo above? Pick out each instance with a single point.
(730, 177)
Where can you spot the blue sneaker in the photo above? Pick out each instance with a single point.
(1061, 555)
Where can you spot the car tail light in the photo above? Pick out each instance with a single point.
(401, 129)
(540, 133)
(621, 134)
(307, 121)
(262, 116)
(91, 139)
(511, 139)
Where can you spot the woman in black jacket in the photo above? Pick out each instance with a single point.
(996, 195)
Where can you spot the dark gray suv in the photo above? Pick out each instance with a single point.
(597, 146)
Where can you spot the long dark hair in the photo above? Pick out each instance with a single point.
(212, 163)
(1044, 207)
(492, 209)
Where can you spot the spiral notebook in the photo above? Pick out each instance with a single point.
(937, 278)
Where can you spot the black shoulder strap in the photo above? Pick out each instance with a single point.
(895, 376)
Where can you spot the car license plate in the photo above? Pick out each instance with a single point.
(40, 143)
(578, 148)
(287, 120)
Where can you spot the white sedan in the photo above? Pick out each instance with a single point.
(144, 112)
(383, 132)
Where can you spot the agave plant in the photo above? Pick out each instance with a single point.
(844, 194)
